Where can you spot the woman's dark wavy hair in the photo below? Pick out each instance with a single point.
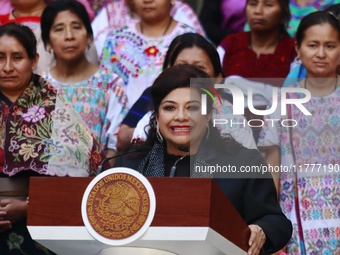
(335, 9)
(23, 34)
(316, 18)
(189, 40)
(51, 11)
(182, 76)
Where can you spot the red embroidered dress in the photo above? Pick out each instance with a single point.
(240, 59)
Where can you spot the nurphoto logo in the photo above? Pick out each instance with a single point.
(238, 104)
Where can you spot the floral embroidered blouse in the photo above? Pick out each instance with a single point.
(136, 58)
(42, 132)
(309, 176)
(100, 100)
(116, 14)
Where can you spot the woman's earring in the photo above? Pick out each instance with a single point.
(208, 132)
(297, 59)
(159, 135)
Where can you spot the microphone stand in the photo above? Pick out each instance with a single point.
(100, 168)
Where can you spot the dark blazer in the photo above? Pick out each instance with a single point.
(253, 194)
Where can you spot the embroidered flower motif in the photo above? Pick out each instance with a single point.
(314, 233)
(53, 147)
(28, 131)
(335, 120)
(319, 244)
(114, 58)
(302, 182)
(327, 252)
(286, 186)
(316, 214)
(312, 193)
(337, 232)
(320, 202)
(287, 207)
(328, 214)
(14, 241)
(283, 197)
(325, 232)
(28, 151)
(305, 203)
(328, 180)
(95, 159)
(336, 201)
(16, 110)
(51, 87)
(303, 124)
(61, 115)
(327, 191)
(74, 99)
(34, 114)
(315, 181)
(30, 90)
(69, 136)
(14, 146)
(151, 51)
(80, 90)
(87, 109)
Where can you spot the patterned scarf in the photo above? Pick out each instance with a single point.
(153, 164)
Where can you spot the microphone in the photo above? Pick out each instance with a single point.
(100, 168)
(173, 168)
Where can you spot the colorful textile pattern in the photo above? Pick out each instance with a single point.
(317, 182)
(240, 59)
(136, 58)
(116, 15)
(299, 12)
(32, 22)
(45, 134)
(91, 99)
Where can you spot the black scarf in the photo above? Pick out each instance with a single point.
(153, 164)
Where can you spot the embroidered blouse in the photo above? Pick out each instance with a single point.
(136, 58)
(100, 100)
(43, 133)
(240, 59)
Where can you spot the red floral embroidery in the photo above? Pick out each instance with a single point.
(16, 110)
(114, 59)
(95, 159)
(151, 51)
(28, 131)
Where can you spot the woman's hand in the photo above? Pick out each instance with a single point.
(256, 240)
(13, 210)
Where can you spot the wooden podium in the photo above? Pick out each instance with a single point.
(192, 217)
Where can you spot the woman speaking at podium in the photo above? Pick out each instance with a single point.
(183, 140)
